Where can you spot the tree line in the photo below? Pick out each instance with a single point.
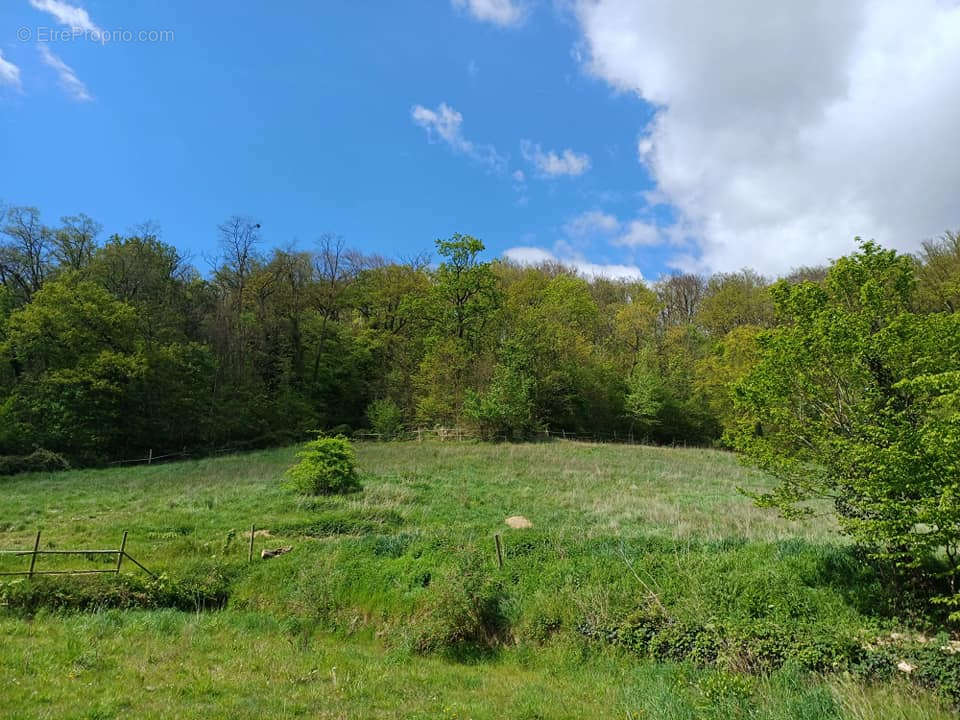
(111, 347)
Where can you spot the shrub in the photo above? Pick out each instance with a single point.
(934, 665)
(755, 647)
(39, 460)
(386, 418)
(463, 617)
(24, 597)
(328, 466)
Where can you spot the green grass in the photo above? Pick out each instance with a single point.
(336, 628)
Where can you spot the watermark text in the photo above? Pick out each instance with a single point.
(98, 36)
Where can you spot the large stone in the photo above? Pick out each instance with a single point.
(518, 522)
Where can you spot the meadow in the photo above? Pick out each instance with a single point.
(649, 586)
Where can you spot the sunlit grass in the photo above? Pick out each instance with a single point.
(320, 632)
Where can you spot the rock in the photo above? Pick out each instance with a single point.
(267, 554)
(518, 522)
(904, 666)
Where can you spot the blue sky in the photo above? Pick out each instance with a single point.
(622, 136)
(301, 114)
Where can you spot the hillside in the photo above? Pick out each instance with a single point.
(648, 586)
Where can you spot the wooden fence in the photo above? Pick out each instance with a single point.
(445, 434)
(33, 554)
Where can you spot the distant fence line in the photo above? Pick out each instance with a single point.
(442, 434)
(150, 458)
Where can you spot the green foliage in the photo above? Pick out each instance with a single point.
(645, 398)
(110, 350)
(855, 400)
(734, 300)
(718, 373)
(465, 615)
(933, 663)
(386, 418)
(442, 382)
(38, 461)
(327, 466)
(506, 408)
(465, 289)
(938, 274)
(26, 597)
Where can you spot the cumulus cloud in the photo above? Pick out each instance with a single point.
(444, 123)
(640, 233)
(526, 255)
(784, 129)
(553, 164)
(66, 14)
(9, 73)
(498, 12)
(68, 78)
(632, 233)
(592, 222)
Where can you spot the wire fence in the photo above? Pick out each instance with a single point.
(437, 433)
(458, 434)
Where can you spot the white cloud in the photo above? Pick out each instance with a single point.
(68, 79)
(592, 222)
(640, 233)
(499, 12)
(66, 14)
(635, 233)
(552, 164)
(526, 255)
(518, 176)
(9, 73)
(444, 123)
(784, 129)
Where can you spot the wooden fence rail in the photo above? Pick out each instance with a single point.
(459, 434)
(121, 553)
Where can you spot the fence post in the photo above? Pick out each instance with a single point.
(150, 457)
(253, 529)
(33, 558)
(496, 539)
(122, 552)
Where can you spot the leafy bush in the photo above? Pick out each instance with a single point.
(933, 665)
(328, 466)
(755, 648)
(465, 615)
(856, 400)
(386, 418)
(39, 460)
(123, 592)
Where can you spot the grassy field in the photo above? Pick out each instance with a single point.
(391, 603)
